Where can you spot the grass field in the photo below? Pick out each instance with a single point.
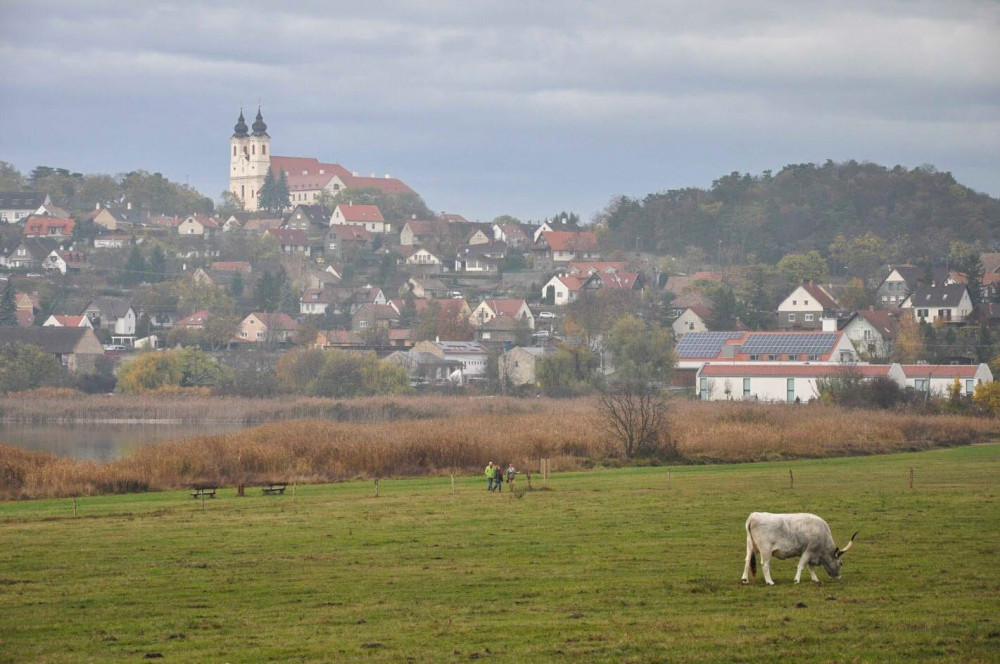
(625, 565)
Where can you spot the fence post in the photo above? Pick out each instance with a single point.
(911, 477)
(791, 479)
(668, 478)
(376, 487)
(453, 483)
(74, 505)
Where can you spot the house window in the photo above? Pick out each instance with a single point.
(260, 335)
(754, 358)
(922, 313)
(970, 386)
(921, 384)
(263, 149)
(790, 389)
(703, 389)
(885, 298)
(746, 387)
(809, 318)
(791, 318)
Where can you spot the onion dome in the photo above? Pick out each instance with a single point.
(241, 127)
(259, 128)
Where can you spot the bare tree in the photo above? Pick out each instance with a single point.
(635, 413)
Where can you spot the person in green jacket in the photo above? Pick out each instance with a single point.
(491, 473)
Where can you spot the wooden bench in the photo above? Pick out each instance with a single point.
(273, 488)
(203, 491)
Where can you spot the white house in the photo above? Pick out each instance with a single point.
(873, 331)
(806, 307)
(472, 355)
(793, 383)
(368, 216)
(940, 304)
(512, 309)
(692, 319)
(938, 379)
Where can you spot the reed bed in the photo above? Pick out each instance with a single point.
(47, 405)
(471, 432)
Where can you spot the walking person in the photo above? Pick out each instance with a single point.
(498, 478)
(511, 474)
(490, 475)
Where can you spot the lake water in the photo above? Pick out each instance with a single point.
(104, 440)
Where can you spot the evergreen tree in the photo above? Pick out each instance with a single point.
(267, 293)
(135, 267)
(267, 197)
(236, 285)
(157, 271)
(282, 196)
(8, 307)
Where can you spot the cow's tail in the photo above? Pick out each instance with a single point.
(753, 564)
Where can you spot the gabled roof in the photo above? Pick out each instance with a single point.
(937, 296)
(232, 266)
(379, 311)
(428, 227)
(50, 339)
(619, 280)
(66, 320)
(505, 307)
(588, 267)
(350, 233)
(569, 240)
(22, 200)
(261, 224)
(884, 321)
(38, 247)
(360, 213)
(914, 275)
(821, 295)
(452, 218)
(990, 261)
(315, 214)
(386, 184)
(712, 345)
(306, 173)
(275, 321)
(940, 370)
(197, 319)
(43, 226)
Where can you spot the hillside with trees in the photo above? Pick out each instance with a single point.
(743, 219)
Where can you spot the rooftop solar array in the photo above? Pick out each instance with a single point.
(792, 343)
(704, 344)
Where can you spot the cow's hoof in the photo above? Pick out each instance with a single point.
(745, 582)
(770, 583)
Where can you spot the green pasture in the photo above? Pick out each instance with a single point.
(625, 565)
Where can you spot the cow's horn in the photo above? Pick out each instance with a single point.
(849, 544)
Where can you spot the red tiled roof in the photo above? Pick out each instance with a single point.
(570, 241)
(304, 173)
(505, 307)
(232, 266)
(288, 236)
(351, 232)
(387, 185)
(360, 213)
(940, 370)
(822, 297)
(793, 370)
(197, 319)
(583, 267)
(43, 226)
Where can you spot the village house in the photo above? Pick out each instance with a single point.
(513, 309)
(308, 218)
(428, 369)
(517, 366)
(65, 262)
(483, 258)
(873, 332)
(116, 315)
(260, 327)
(470, 354)
(77, 349)
(29, 254)
(289, 241)
(937, 380)
(368, 217)
(48, 227)
(426, 287)
(15, 206)
(806, 307)
(939, 304)
(65, 320)
(559, 248)
(198, 224)
(317, 302)
(344, 240)
(902, 280)
(691, 319)
(370, 316)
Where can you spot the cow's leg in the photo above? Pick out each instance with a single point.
(765, 564)
(812, 573)
(746, 566)
(803, 559)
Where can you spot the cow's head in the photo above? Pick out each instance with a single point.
(832, 564)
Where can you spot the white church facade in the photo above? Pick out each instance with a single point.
(308, 178)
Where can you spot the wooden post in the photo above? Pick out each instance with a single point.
(376, 487)
(74, 502)
(241, 489)
(453, 483)
(293, 491)
(202, 501)
(911, 477)
(791, 479)
(668, 478)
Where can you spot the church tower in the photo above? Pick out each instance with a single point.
(249, 159)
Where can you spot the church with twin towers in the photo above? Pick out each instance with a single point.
(308, 178)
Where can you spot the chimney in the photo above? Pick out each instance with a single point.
(829, 324)
(354, 173)
(388, 177)
(373, 175)
(97, 206)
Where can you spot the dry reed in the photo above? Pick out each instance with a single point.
(461, 435)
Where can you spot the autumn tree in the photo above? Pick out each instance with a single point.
(26, 366)
(909, 346)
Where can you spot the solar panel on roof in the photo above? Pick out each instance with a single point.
(703, 344)
(792, 343)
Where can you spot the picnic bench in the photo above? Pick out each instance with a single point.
(203, 491)
(273, 488)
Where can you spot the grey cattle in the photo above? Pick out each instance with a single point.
(787, 536)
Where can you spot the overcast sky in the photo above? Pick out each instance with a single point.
(515, 107)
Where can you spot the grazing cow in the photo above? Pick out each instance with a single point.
(788, 535)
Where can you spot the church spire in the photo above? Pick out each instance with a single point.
(259, 128)
(240, 130)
